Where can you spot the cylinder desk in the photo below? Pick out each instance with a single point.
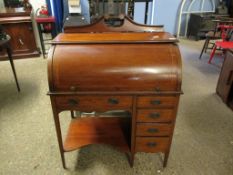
(138, 72)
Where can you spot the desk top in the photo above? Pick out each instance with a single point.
(139, 37)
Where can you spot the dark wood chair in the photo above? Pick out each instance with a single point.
(5, 44)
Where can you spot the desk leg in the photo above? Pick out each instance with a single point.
(133, 131)
(166, 155)
(59, 138)
(131, 160)
(13, 67)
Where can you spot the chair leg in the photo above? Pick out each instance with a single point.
(13, 67)
(212, 54)
(204, 47)
(207, 44)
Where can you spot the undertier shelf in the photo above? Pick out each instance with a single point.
(113, 131)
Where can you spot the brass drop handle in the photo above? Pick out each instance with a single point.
(152, 130)
(21, 42)
(73, 88)
(154, 115)
(113, 101)
(72, 102)
(155, 102)
(151, 144)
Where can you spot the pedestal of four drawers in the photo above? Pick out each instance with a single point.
(155, 123)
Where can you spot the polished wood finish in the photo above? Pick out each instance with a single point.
(96, 38)
(136, 72)
(106, 76)
(113, 131)
(152, 144)
(155, 115)
(225, 81)
(156, 101)
(98, 102)
(100, 26)
(18, 24)
(148, 129)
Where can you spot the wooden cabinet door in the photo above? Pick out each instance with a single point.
(22, 37)
(226, 77)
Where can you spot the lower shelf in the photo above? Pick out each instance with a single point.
(113, 131)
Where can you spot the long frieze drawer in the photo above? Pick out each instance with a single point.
(151, 144)
(156, 101)
(155, 115)
(147, 129)
(93, 102)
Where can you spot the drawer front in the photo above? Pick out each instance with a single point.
(156, 101)
(151, 144)
(92, 103)
(144, 129)
(155, 115)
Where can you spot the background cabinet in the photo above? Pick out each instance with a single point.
(18, 24)
(225, 82)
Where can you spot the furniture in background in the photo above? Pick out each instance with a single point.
(226, 33)
(46, 25)
(216, 34)
(18, 24)
(5, 45)
(148, 89)
(225, 82)
(200, 24)
(188, 8)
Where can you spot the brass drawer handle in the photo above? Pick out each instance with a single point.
(155, 102)
(73, 88)
(151, 144)
(152, 130)
(72, 102)
(113, 101)
(154, 115)
(21, 42)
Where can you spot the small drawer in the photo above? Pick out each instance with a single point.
(92, 103)
(151, 144)
(156, 101)
(155, 115)
(146, 129)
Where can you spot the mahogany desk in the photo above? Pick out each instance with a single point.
(138, 72)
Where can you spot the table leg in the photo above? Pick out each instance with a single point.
(41, 39)
(12, 66)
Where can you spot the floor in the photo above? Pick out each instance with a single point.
(202, 143)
